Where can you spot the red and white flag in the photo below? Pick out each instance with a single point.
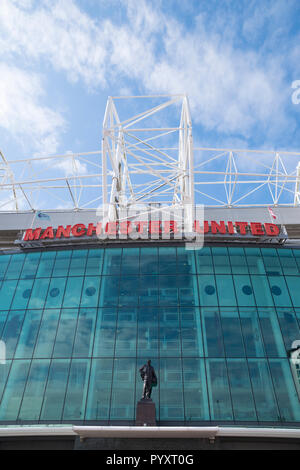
(272, 213)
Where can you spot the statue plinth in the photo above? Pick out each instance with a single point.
(145, 413)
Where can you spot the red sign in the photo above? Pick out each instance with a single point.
(153, 227)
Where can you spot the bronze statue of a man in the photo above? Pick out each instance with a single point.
(149, 377)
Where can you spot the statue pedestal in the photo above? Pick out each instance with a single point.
(145, 413)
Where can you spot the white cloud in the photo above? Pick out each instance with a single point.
(21, 112)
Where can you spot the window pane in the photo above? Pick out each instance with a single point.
(123, 389)
(168, 292)
(287, 397)
(207, 290)
(218, 390)
(244, 291)
(126, 332)
(271, 261)
(130, 261)
(289, 326)
(232, 334)
(55, 292)
(204, 261)
(105, 332)
(195, 393)
(225, 289)
(221, 260)
(148, 290)
(85, 332)
(149, 260)
(99, 391)
(169, 332)
(13, 392)
(94, 262)
(15, 266)
(262, 291)
(242, 399)
(147, 340)
(34, 391)
(7, 291)
(112, 261)
(61, 264)
(46, 264)
(293, 286)
(39, 293)
(263, 392)
(254, 260)
(109, 294)
(65, 333)
(55, 390)
(4, 261)
(167, 260)
(78, 262)
(288, 262)
(279, 291)
(22, 294)
(251, 332)
(46, 335)
(187, 289)
(191, 332)
(77, 389)
(212, 333)
(271, 332)
(238, 260)
(129, 290)
(28, 334)
(12, 331)
(30, 265)
(185, 261)
(171, 389)
(73, 292)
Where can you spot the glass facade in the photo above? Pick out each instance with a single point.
(217, 323)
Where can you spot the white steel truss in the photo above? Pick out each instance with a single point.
(149, 158)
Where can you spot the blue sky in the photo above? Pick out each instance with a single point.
(61, 59)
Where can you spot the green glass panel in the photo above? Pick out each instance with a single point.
(240, 388)
(225, 289)
(195, 393)
(7, 291)
(126, 332)
(4, 261)
(47, 333)
(74, 407)
(148, 290)
(251, 332)
(55, 292)
(204, 261)
(255, 261)
(78, 262)
(105, 332)
(287, 398)
(94, 262)
(293, 286)
(264, 396)
(271, 261)
(15, 266)
(169, 332)
(112, 261)
(55, 390)
(191, 332)
(185, 261)
(187, 289)
(28, 334)
(22, 294)
(73, 289)
(238, 260)
(12, 330)
(130, 261)
(271, 332)
(149, 260)
(262, 291)
(13, 393)
(289, 326)
(279, 291)
(288, 262)
(84, 336)
(129, 290)
(147, 338)
(61, 264)
(212, 332)
(221, 260)
(99, 392)
(123, 389)
(244, 290)
(232, 334)
(39, 293)
(218, 390)
(46, 264)
(171, 389)
(207, 290)
(109, 294)
(34, 391)
(30, 265)
(65, 333)
(168, 291)
(167, 260)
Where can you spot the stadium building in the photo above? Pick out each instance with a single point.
(209, 292)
